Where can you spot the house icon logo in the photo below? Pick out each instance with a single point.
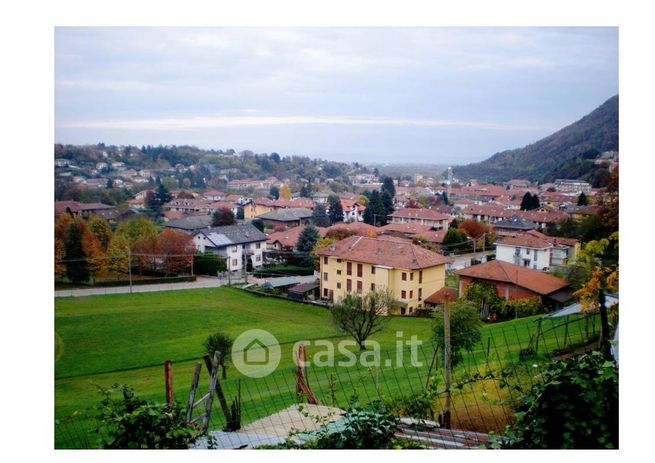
(256, 353)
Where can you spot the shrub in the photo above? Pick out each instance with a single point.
(575, 407)
(465, 328)
(127, 422)
(208, 264)
(518, 308)
(219, 342)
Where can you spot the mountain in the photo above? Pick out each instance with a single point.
(568, 153)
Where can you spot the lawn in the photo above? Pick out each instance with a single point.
(124, 339)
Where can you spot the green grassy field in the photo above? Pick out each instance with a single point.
(124, 339)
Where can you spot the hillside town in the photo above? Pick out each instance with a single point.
(404, 234)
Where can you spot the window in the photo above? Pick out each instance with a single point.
(372, 286)
(404, 276)
(349, 268)
(258, 258)
(349, 285)
(338, 261)
(325, 292)
(338, 272)
(372, 270)
(359, 286)
(411, 276)
(420, 294)
(420, 277)
(527, 251)
(258, 246)
(235, 249)
(325, 276)
(360, 268)
(234, 262)
(403, 294)
(325, 260)
(411, 294)
(338, 285)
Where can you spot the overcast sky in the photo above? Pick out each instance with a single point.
(438, 95)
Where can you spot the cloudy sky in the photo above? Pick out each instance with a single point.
(438, 95)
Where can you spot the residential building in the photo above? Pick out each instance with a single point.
(359, 264)
(516, 282)
(436, 220)
(572, 186)
(239, 245)
(191, 224)
(286, 218)
(525, 250)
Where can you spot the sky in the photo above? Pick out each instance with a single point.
(373, 95)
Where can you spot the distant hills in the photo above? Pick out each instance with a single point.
(568, 153)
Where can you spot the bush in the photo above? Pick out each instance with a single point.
(465, 328)
(518, 308)
(130, 423)
(575, 407)
(208, 264)
(219, 342)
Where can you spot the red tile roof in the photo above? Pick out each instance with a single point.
(426, 214)
(440, 296)
(384, 251)
(289, 238)
(408, 228)
(534, 280)
(360, 228)
(554, 240)
(524, 240)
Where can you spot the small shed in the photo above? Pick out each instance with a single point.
(304, 291)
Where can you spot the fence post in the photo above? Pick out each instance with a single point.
(168, 377)
(447, 362)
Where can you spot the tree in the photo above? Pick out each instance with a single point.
(118, 254)
(138, 228)
(526, 202)
(387, 206)
(320, 244)
(375, 212)
(101, 229)
(306, 191)
(176, 249)
(274, 192)
(60, 255)
(223, 216)
(285, 192)
(388, 186)
(208, 264)
(77, 268)
(412, 204)
(306, 242)
(454, 240)
(360, 317)
(320, 217)
(219, 342)
(582, 200)
(95, 253)
(472, 228)
(336, 211)
(484, 296)
(465, 329)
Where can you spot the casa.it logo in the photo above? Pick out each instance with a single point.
(256, 353)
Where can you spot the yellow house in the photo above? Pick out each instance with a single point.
(257, 207)
(360, 264)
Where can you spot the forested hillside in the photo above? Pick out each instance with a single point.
(568, 153)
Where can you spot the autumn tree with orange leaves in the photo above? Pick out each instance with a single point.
(175, 250)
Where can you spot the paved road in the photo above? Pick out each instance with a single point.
(201, 282)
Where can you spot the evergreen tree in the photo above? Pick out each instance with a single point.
(387, 207)
(77, 268)
(274, 192)
(535, 201)
(375, 211)
(388, 186)
(222, 217)
(320, 217)
(336, 211)
(582, 200)
(306, 191)
(526, 202)
(306, 242)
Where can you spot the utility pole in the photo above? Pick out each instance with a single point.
(447, 362)
(604, 325)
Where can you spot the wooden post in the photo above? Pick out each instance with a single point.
(447, 362)
(192, 392)
(604, 326)
(129, 266)
(218, 388)
(168, 377)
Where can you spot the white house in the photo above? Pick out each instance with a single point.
(237, 244)
(525, 250)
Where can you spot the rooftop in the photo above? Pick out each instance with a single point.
(534, 280)
(384, 251)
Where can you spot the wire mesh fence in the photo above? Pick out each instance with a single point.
(488, 382)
